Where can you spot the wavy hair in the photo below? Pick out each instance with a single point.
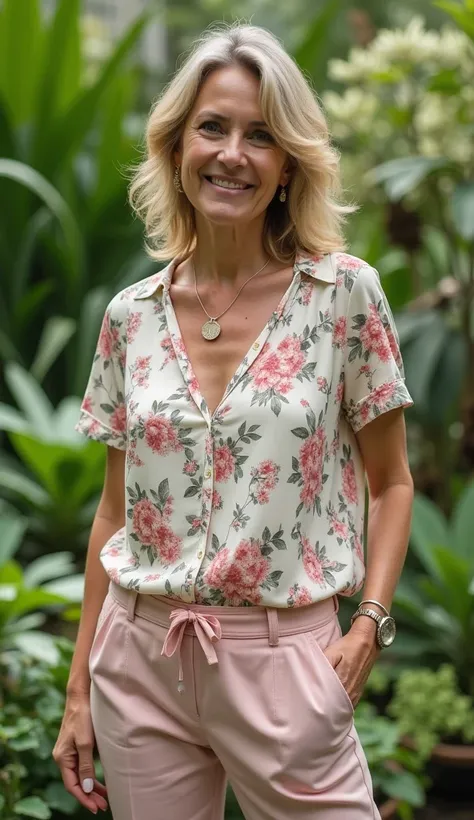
(311, 220)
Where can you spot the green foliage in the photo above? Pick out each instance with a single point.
(435, 603)
(396, 772)
(34, 668)
(58, 474)
(46, 585)
(462, 13)
(31, 710)
(429, 708)
(405, 125)
(67, 241)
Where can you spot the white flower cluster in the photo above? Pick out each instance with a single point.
(395, 93)
(412, 46)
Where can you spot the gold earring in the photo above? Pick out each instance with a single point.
(283, 195)
(177, 181)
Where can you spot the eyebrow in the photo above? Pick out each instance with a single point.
(215, 116)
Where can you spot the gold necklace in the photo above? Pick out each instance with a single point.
(212, 329)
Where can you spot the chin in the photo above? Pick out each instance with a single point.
(225, 215)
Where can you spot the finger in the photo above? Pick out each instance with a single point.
(334, 656)
(99, 788)
(71, 783)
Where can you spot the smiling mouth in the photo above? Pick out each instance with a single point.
(227, 184)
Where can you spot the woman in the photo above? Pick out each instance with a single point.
(243, 392)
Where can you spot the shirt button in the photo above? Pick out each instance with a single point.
(256, 346)
(208, 473)
(200, 554)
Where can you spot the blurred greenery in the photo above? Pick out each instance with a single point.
(398, 92)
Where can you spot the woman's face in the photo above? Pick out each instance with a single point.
(230, 163)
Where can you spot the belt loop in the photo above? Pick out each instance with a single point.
(132, 602)
(336, 603)
(273, 637)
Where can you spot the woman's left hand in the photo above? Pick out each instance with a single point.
(352, 658)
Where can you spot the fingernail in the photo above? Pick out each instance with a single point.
(87, 785)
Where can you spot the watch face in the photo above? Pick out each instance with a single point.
(387, 631)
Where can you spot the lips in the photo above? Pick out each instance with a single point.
(227, 183)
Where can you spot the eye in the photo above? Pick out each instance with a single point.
(262, 136)
(210, 126)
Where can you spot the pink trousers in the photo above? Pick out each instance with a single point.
(186, 697)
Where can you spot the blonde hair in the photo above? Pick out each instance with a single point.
(311, 220)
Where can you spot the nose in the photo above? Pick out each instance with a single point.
(231, 152)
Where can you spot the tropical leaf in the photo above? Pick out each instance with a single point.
(39, 185)
(14, 481)
(47, 567)
(69, 130)
(56, 334)
(31, 400)
(12, 530)
(401, 176)
(462, 205)
(463, 526)
(429, 528)
(311, 53)
(463, 16)
(20, 43)
(421, 359)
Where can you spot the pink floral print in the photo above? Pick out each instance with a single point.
(262, 501)
(340, 331)
(349, 482)
(160, 435)
(140, 371)
(224, 463)
(134, 323)
(150, 523)
(239, 577)
(299, 596)
(309, 465)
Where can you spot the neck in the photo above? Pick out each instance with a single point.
(228, 254)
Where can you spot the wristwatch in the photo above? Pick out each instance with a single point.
(386, 627)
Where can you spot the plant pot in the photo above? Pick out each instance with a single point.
(449, 771)
(454, 755)
(448, 768)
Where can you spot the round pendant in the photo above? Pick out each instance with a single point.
(211, 330)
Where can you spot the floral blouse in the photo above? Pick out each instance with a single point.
(261, 502)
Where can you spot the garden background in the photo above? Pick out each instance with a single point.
(76, 81)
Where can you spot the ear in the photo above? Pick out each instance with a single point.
(177, 154)
(286, 172)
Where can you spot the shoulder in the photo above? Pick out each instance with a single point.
(129, 299)
(352, 268)
(354, 276)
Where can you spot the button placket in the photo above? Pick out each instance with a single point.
(207, 492)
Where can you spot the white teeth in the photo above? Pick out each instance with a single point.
(222, 183)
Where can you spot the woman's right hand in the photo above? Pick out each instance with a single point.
(74, 754)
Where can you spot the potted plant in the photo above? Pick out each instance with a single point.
(437, 720)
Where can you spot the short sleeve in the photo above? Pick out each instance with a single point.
(374, 379)
(103, 411)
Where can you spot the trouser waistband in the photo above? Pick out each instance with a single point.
(235, 622)
(211, 623)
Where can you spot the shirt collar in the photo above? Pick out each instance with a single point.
(321, 268)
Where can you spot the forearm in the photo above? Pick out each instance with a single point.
(389, 522)
(95, 589)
